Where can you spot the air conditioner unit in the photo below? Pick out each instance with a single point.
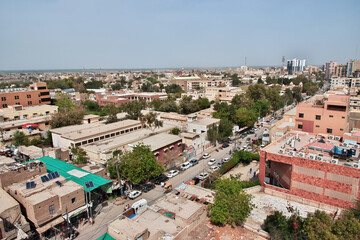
(356, 146)
(331, 137)
(334, 161)
(319, 158)
(356, 165)
(302, 155)
(312, 157)
(292, 153)
(281, 151)
(337, 138)
(345, 144)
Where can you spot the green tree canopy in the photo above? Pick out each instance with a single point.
(20, 139)
(151, 121)
(79, 155)
(111, 111)
(225, 129)
(245, 118)
(212, 134)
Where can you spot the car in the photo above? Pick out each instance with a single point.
(172, 173)
(147, 187)
(185, 166)
(213, 168)
(158, 180)
(206, 155)
(193, 162)
(225, 145)
(134, 194)
(196, 180)
(211, 161)
(262, 146)
(251, 131)
(203, 175)
(220, 164)
(226, 159)
(244, 135)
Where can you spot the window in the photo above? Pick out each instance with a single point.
(343, 117)
(52, 209)
(28, 96)
(3, 98)
(329, 130)
(317, 126)
(341, 129)
(301, 115)
(300, 126)
(4, 105)
(331, 116)
(29, 102)
(17, 103)
(16, 97)
(73, 200)
(318, 117)
(47, 112)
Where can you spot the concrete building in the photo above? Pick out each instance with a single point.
(330, 69)
(314, 167)
(340, 70)
(16, 112)
(104, 99)
(194, 83)
(37, 94)
(79, 135)
(344, 82)
(222, 94)
(353, 68)
(323, 114)
(11, 218)
(286, 124)
(296, 65)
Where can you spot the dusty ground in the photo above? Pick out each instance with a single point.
(244, 171)
(206, 231)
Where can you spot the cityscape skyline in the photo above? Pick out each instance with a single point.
(169, 34)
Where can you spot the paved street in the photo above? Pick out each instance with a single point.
(110, 212)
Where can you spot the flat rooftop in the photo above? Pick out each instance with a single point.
(6, 201)
(320, 147)
(78, 133)
(21, 122)
(201, 193)
(128, 138)
(205, 121)
(158, 141)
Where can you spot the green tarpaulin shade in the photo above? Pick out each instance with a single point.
(106, 236)
(75, 174)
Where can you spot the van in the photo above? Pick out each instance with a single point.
(140, 206)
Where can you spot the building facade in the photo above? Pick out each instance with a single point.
(296, 65)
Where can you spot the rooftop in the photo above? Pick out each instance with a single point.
(6, 201)
(206, 121)
(158, 141)
(21, 122)
(201, 193)
(130, 228)
(321, 147)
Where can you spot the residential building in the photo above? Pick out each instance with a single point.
(79, 135)
(344, 82)
(37, 94)
(340, 70)
(16, 112)
(222, 94)
(296, 65)
(286, 124)
(194, 83)
(315, 167)
(104, 99)
(11, 219)
(352, 68)
(330, 69)
(323, 114)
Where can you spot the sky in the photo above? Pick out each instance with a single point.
(77, 34)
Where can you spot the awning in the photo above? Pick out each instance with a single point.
(49, 225)
(76, 211)
(29, 125)
(350, 142)
(181, 187)
(106, 236)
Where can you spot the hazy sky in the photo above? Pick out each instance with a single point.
(72, 34)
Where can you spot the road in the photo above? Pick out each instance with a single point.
(111, 212)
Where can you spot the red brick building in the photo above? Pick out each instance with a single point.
(104, 99)
(37, 94)
(312, 167)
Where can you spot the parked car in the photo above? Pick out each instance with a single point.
(226, 159)
(206, 155)
(214, 168)
(251, 131)
(185, 166)
(211, 161)
(147, 187)
(172, 173)
(225, 145)
(220, 164)
(203, 175)
(196, 180)
(262, 146)
(160, 179)
(193, 162)
(134, 194)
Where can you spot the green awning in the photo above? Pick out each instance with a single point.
(106, 236)
(75, 174)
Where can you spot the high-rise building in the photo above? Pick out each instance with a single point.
(340, 70)
(296, 65)
(330, 69)
(352, 67)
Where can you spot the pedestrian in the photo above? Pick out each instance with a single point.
(250, 170)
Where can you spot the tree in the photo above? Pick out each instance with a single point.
(318, 226)
(91, 105)
(260, 81)
(297, 94)
(133, 109)
(277, 225)
(261, 107)
(48, 139)
(64, 102)
(151, 121)
(67, 117)
(241, 101)
(256, 92)
(347, 227)
(225, 129)
(245, 118)
(139, 165)
(175, 131)
(173, 88)
(79, 155)
(212, 134)
(20, 139)
(111, 110)
(235, 80)
(231, 204)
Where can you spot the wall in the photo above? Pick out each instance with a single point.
(8, 178)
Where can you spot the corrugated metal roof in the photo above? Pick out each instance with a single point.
(63, 168)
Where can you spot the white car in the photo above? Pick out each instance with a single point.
(172, 173)
(226, 159)
(211, 162)
(206, 155)
(214, 168)
(203, 175)
(185, 166)
(134, 194)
